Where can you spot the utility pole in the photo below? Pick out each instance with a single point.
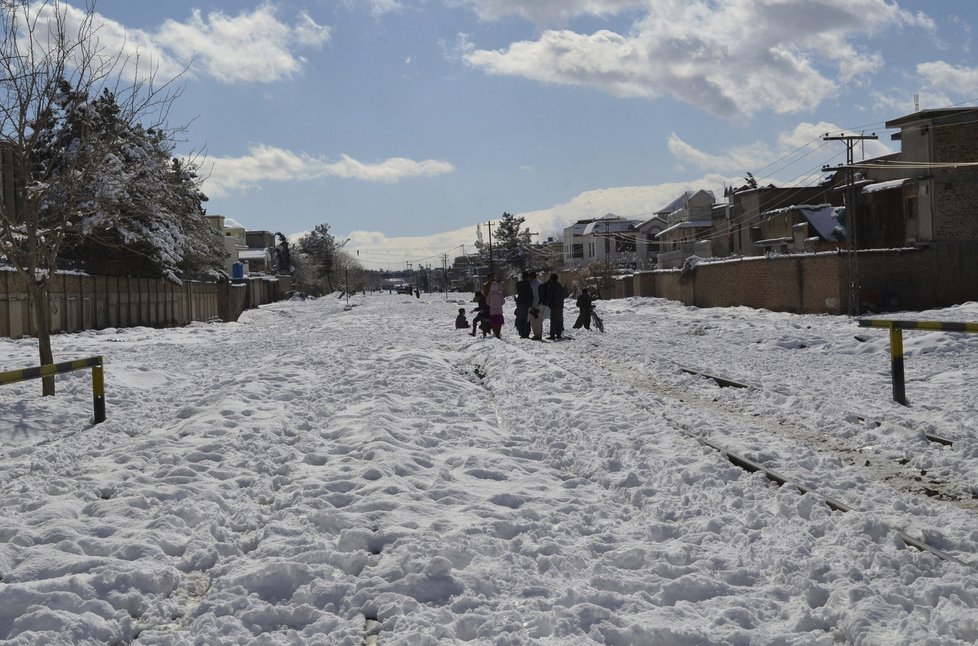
(491, 268)
(444, 264)
(850, 200)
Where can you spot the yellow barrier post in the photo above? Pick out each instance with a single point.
(98, 393)
(49, 370)
(896, 365)
(896, 344)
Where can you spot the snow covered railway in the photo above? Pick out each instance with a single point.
(818, 461)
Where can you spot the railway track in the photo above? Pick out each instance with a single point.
(897, 471)
(894, 472)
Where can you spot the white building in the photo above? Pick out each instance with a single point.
(610, 238)
(234, 238)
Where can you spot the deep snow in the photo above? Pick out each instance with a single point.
(284, 479)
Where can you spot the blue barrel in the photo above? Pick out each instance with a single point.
(237, 269)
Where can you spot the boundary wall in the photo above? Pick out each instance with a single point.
(889, 279)
(83, 302)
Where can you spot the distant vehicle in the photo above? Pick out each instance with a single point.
(404, 288)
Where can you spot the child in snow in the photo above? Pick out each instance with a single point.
(461, 323)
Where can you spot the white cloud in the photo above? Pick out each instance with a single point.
(901, 102)
(381, 7)
(309, 33)
(947, 77)
(249, 47)
(735, 160)
(388, 171)
(732, 58)
(797, 158)
(269, 163)
(132, 53)
(549, 11)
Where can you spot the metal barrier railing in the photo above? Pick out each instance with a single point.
(896, 345)
(98, 379)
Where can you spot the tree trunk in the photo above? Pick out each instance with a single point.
(42, 308)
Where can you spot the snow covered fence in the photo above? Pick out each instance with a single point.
(896, 345)
(98, 380)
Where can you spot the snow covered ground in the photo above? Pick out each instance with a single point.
(313, 473)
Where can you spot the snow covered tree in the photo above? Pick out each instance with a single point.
(321, 249)
(510, 245)
(55, 156)
(283, 255)
(148, 217)
(481, 248)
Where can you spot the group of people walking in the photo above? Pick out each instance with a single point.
(535, 302)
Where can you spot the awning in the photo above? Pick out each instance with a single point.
(884, 186)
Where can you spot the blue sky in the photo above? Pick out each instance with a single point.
(404, 123)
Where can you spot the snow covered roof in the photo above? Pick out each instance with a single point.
(680, 202)
(825, 220)
(231, 223)
(651, 223)
(608, 225)
(884, 186)
(770, 242)
(687, 224)
(252, 254)
(676, 204)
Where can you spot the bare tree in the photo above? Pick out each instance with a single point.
(52, 64)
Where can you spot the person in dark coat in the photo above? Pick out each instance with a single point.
(536, 320)
(461, 323)
(524, 299)
(555, 295)
(585, 308)
(481, 318)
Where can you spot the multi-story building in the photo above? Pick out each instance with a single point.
(610, 238)
(741, 231)
(689, 220)
(926, 197)
(234, 239)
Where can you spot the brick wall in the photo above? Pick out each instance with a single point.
(896, 279)
(803, 284)
(956, 263)
(955, 190)
(888, 279)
